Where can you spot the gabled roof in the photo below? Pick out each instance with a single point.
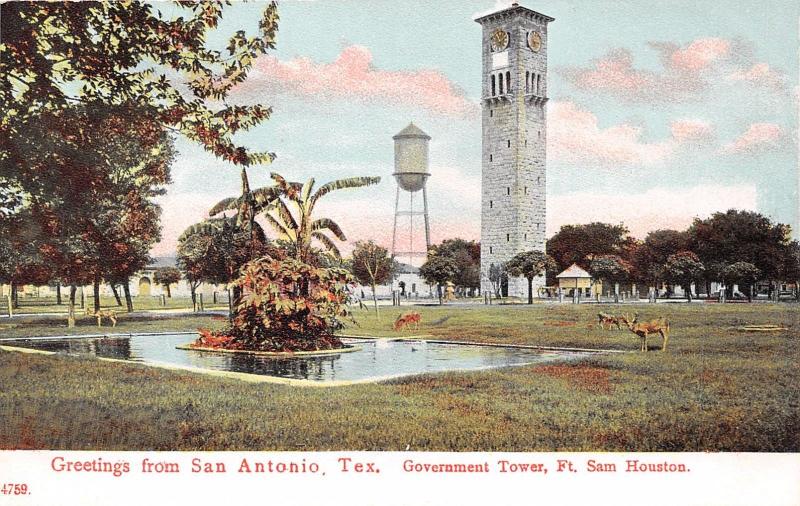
(412, 131)
(513, 9)
(573, 271)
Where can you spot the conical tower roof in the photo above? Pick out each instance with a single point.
(412, 131)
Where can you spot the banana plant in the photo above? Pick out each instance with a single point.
(292, 215)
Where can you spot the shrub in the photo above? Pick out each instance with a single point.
(286, 305)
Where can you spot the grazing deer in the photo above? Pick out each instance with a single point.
(404, 321)
(657, 326)
(106, 313)
(607, 320)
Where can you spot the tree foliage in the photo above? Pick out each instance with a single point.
(56, 53)
(743, 274)
(287, 305)
(683, 268)
(371, 265)
(439, 270)
(580, 243)
(467, 257)
(530, 264)
(167, 276)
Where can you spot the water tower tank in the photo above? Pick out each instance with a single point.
(411, 158)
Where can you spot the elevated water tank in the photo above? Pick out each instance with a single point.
(411, 158)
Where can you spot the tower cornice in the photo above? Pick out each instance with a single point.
(512, 11)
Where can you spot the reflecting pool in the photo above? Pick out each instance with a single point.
(377, 359)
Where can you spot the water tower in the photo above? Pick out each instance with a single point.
(411, 173)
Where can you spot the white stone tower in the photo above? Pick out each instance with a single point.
(514, 94)
(411, 173)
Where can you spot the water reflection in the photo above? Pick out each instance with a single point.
(379, 358)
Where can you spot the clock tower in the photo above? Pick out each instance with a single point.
(513, 98)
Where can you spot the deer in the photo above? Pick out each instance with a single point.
(643, 329)
(607, 320)
(404, 321)
(106, 313)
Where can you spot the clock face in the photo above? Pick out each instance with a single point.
(499, 40)
(535, 41)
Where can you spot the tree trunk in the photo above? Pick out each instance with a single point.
(71, 310)
(14, 295)
(116, 294)
(194, 296)
(439, 291)
(128, 301)
(530, 290)
(688, 289)
(374, 298)
(169, 294)
(96, 294)
(10, 301)
(58, 293)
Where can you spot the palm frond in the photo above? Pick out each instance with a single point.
(339, 184)
(305, 193)
(279, 227)
(328, 243)
(204, 227)
(290, 189)
(286, 215)
(228, 204)
(326, 223)
(263, 198)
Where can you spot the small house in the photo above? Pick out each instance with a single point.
(575, 278)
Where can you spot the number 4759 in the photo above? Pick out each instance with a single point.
(14, 489)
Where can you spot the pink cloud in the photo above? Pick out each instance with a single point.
(700, 54)
(574, 136)
(759, 137)
(352, 75)
(687, 71)
(691, 130)
(761, 74)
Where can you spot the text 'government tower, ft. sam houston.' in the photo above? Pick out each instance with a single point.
(513, 98)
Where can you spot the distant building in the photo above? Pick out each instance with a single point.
(573, 278)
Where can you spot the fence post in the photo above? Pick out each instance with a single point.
(163, 300)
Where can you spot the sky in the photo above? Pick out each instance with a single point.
(659, 112)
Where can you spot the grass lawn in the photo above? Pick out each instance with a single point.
(48, 305)
(716, 388)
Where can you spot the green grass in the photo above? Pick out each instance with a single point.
(715, 389)
(48, 305)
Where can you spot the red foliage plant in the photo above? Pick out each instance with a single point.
(286, 305)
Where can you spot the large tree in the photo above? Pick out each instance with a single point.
(467, 256)
(439, 270)
(57, 53)
(611, 268)
(683, 268)
(648, 258)
(741, 236)
(743, 274)
(371, 265)
(167, 276)
(580, 243)
(529, 264)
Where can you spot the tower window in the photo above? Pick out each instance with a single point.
(526, 143)
(493, 88)
(526, 237)
(490, 250)
(508, 81)
(539, 84)
(501, 82)
(526, 190)
(540, 134)
(508, 190)
(509, 143)
(491, 204)
(508, 237)
(539, 180)
(490, 158)
(491, 112)
(527, 82)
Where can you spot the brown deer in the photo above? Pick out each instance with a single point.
(106, 313)
(404, 321)
(607, 320)
(643, 329)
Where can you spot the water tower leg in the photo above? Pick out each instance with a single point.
(394, 230)
(427, 224)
